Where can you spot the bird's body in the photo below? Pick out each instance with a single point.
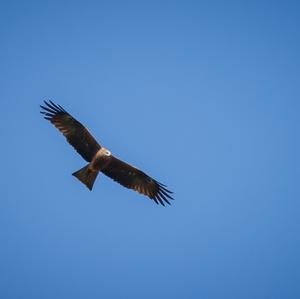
(100, 159)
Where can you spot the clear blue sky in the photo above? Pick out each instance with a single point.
(203, 96)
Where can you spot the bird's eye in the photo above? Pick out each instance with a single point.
(107, 153)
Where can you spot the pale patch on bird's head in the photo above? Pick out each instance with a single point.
(104, 152)
(107, 153)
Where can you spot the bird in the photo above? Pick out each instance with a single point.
(100, 159)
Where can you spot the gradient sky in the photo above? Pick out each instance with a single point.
(201, 95)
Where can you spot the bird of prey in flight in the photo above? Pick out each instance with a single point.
(100, 159)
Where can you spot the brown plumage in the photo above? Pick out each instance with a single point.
(100, 159)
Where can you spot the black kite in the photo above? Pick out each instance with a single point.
(100, 159)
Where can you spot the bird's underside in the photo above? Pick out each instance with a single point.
(100, 159)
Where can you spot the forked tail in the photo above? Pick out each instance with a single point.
(86, 176)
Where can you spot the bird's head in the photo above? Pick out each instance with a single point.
(103, 152)
(106, 152)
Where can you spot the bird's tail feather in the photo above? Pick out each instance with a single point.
(86, 176)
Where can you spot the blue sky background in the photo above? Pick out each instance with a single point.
(203, 96)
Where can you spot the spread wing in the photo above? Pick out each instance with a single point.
(76, 134)
(132, 178)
